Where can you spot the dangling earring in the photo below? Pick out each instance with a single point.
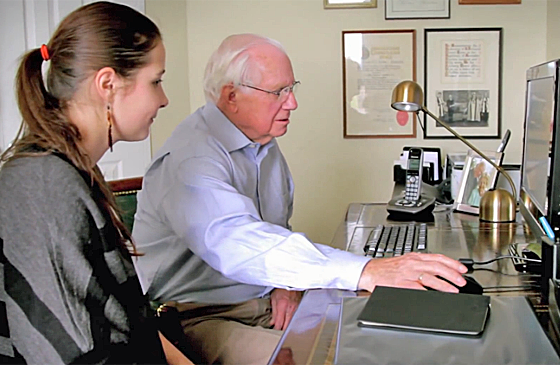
(110, 127)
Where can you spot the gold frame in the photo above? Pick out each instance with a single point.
(356, 4)
(488, 2)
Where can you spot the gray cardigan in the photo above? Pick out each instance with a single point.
(72, 293)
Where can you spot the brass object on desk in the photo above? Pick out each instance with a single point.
(500, 205)
(496, 204)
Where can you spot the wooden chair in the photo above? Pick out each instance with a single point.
(125, 191)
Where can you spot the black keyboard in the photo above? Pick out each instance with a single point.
(396, 240)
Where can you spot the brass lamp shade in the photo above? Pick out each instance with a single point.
(496, 206)
(407, 96)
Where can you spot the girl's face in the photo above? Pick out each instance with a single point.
(483, 185)
(136, 105)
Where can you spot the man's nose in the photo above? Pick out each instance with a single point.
(291, 102)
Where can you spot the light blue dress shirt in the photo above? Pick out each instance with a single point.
(213, 221)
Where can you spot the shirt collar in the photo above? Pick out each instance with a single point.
(225, 131)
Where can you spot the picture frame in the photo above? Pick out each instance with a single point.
(374, 61)
(463, 82)
(488, 2)
(417, 9)
(342, 4)
(478, 176)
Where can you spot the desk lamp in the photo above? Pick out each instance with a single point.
(496, 205)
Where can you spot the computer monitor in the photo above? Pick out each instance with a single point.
(537, 143)
(540, 173)
(540, 177)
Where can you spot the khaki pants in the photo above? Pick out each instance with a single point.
(237, 334)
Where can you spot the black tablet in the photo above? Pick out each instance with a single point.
(422, 310)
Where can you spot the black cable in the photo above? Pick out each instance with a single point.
(469, 263)
(506, 257)
(522, 275)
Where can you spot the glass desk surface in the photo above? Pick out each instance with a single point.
(311, 336)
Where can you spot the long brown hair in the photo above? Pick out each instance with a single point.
(95, 36)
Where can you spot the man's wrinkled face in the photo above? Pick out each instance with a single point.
(263, 116)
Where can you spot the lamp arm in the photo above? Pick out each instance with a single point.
(499, 168)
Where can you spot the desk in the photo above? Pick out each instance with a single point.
(310, 337)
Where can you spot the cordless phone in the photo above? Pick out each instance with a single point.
(412, 204)
(414, 174)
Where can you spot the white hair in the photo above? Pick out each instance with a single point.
(232, 64)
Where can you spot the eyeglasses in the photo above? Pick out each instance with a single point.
(282, 93)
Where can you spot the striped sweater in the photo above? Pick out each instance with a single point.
(71, 293)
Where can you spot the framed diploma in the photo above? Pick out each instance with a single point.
(488, 2)
(417, 9)
(338, 4)
(373, 63)
(463, 69)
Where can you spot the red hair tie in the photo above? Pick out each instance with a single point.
(45, 53)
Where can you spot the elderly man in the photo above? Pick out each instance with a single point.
(213, 216)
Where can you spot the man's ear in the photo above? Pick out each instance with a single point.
(106, 81)
(229, 98)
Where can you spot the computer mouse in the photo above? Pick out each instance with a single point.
(471, 287)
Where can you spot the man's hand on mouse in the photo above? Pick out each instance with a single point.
(413, 271)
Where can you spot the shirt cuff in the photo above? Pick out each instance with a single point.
(345, 267)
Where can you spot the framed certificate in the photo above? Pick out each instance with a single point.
(373, 63)
(488, 2)
(463, 81)
(417, 9)
(338, 4)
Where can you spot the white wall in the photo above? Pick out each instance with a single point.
(171, 18)
(330, 172)
(553, 30)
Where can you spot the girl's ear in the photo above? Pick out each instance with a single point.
(106, 81)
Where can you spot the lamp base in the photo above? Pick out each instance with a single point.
(497, 206)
